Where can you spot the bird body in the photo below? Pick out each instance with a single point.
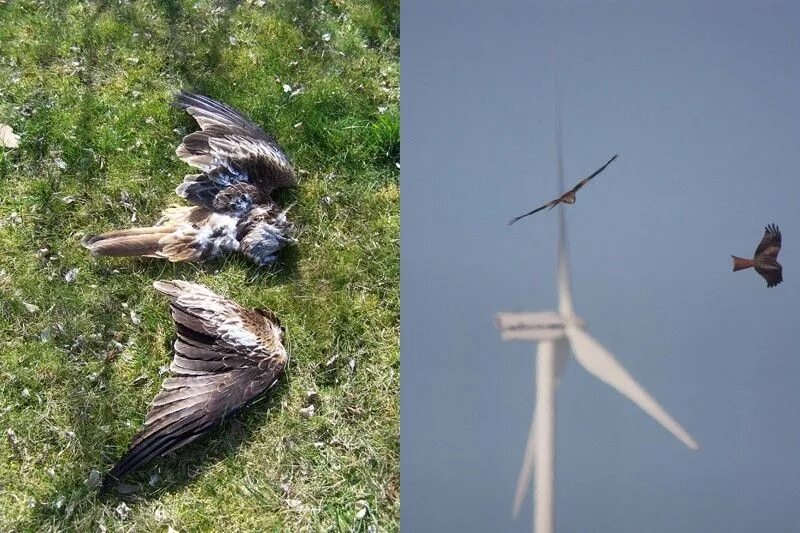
(568, 197)
(193, 233)
(765, 259)
(232, 209)
(226, 356)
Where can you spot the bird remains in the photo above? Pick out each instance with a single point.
(226, 356)
(240, 165)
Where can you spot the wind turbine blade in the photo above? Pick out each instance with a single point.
(526, 472)
(564, 287)
(559, 136)
(600, 363)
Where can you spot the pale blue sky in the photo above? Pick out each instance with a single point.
(701, 101)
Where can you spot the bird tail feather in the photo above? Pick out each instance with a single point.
(740, 263)
(134, 242)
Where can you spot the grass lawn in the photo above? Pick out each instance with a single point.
(84, 342)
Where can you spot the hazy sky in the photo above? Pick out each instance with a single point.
(702, 102)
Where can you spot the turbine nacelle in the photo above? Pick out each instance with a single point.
(536, 326)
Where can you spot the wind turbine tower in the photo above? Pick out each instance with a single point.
(556, 332)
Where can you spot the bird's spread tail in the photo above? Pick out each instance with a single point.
(740, 263)
(174, 237)
(134, 242)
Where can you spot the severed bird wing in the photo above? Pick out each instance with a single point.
(586, 180)
(225, 357)
(229, 150)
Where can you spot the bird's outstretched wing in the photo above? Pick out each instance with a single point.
(766, 256)
(770, 244)
(551, 204)
(772, 272)
(229, 150)
(225, 357)
(586, 180)
(575, 189)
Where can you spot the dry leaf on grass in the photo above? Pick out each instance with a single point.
(8, 138)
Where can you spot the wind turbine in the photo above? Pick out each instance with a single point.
(556, 332)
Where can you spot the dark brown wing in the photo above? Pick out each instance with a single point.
(551, 204)
(584, 181)
(229, 149)
(225, 357)
(770, 271)
(770, 244)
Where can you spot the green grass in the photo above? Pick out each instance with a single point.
(87, 85)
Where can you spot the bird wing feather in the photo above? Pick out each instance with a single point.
(551, 204)
(228, 149)
(770, 243)
(772, 272)
(586, 180)
(225, 357)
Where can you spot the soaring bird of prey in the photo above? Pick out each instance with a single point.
(240, 165)
(569, 196)
(765, 260)
(226, 356)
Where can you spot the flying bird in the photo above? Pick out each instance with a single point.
(226, 356)
(569, 196)
(765, 260)
(240, 165)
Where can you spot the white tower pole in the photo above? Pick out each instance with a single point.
(544, 472)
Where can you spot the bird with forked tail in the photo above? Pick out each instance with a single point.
(765, 260)
(240, 165)
(226, 356)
